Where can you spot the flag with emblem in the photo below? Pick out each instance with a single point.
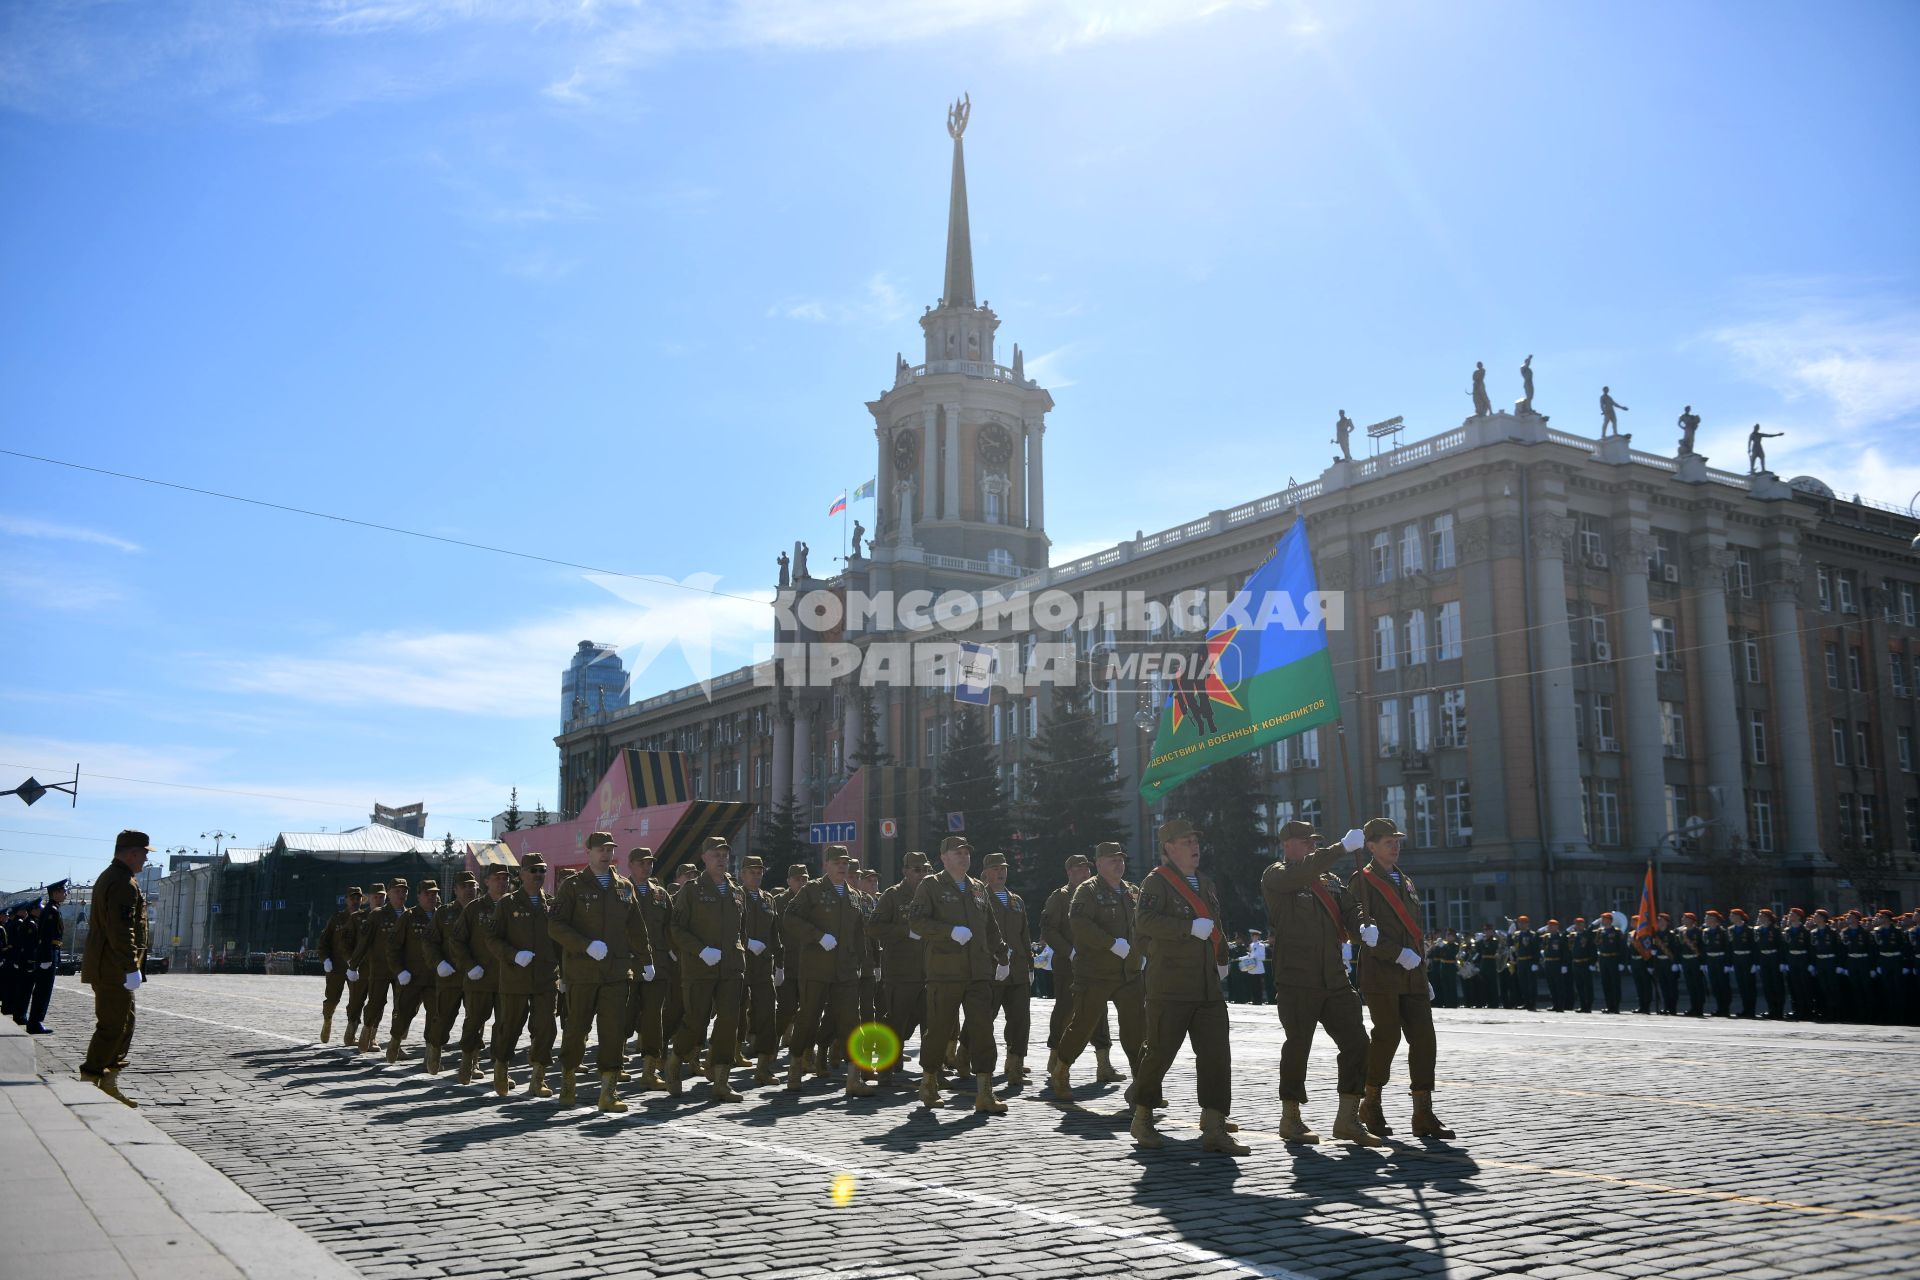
(1644, 931)
(864, 492)
(1266, 673)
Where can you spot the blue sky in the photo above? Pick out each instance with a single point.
(611, 283)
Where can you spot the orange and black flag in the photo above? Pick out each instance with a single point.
(1644, 931)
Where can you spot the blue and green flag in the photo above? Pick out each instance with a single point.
(1269, 674)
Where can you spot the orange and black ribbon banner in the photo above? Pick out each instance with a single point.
(1333, 908)
(1201, 911)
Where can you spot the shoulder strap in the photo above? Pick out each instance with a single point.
(1392, 894)
(1201, 910)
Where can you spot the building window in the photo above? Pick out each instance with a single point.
(1593, 539)
(1382, 557)
(1903, 746)
(1750, 654)
(995, 510)
(1425, 816)
(1869, 820)
(1393, 804)
(1909, 614)
(1743, 572)
(1001, 559)
(1676, 807)
(1410, 557)
(1897, 663)
(1110, 703)
(1440, 541)
(1846, 815)
(1033, 716)
(1387, 726)
(1760, 820)
(1598, 624)
(1757, 736)
(1420, 722)
(996, 723)
(1460, 911)
(1281, 751)
(1662, 555)
(1673, 730)
(1310, 811)
(1416, 637)
(1861, 756)
(1603, 739)
(1458, 808)
(1307, 747)
(1833, 666)
(1840, 742)
(1854, 680)
(1606, 812)
(1453, 718)
(1913, 824)
(1823, 579)
(1843, 587)
(1580, 721)
(1446, 632)
(1383, 643)
(1664, 641)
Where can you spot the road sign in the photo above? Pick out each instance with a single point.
(957, 822)
(889, 828)
(975, 684)
(833, 832)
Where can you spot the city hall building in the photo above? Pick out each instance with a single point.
(1562, 657)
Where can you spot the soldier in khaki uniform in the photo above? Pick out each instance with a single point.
(759, 930)
(416, 959)
(1311, 914)
(374, 955)
(787, 975)
(1013, 980)
(359, 983)
(1393, 980)
(825, 939)
(449, 991)
(1179, 921)
(528, 968)
(964, 952)
(336, 953)
(904, 977)
(656, 1005)
(598, 926)
(706, 930)
(116, 948)
(1106, 967)
(470, 947)
(871, 992)
(1057, 932)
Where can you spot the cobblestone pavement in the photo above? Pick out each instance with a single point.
(1616, 1146)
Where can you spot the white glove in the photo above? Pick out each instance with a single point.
(913, 935)
(1563, 968)
(710, 956)
(476, 973)
(779, 977)
(1843, 973)
(403, 977)
(1223, 971)
(444, 969)
(1001, 972)
(353, 975)
(1202, 928)
(561, 983)
(46, 964)
(1430, 996)
(1120, 948)
(597, 949)
(1370, 934)
(1353, 840)
(646, 973)
(876, 973)
(134, 980)
(828, 942)
(962, 934)
(756, 946)
(1756, 968)
(1406, 959)
(523, 958)
(1783, 968)
(326, 966)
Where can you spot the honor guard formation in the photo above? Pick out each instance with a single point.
(714, 974)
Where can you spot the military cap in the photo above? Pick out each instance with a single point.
(1380, 829)
(1577, 920)
(836, 852)
(753, 862)
(1552, 923)
(796, 869)
(1523, 920)
(639, 853)
(60, 885)
(1741, 913)
(353, 890)
(500, 869)
(1109, 849)
(853, 866)
(379, 886)
(429, 886)
(1298, 830)
(917, 859)
(1177, 829)
(1820, 911)
(1688, 915)
(533, 862)
(398, 880)
(1663, 916)
(599, 838)
(953, 844)
(131, 839)
(459, 878)
(870, 873)
(1765, 911)
(1796, 911)
(1078, 860)
(714, 842)
(994, 860)
(1714, 915)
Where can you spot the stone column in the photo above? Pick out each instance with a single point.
(930, 463)
(1640, 693)
(883, 503)
(1714, 648)
(782, 756)
(1561, 767)
(952, 434)
(1036, 478)
(849, 721)
(802, 755)
(1792, 746)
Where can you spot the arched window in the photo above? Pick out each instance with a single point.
(1001, 558)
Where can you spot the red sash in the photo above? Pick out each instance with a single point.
(1391, 892)
(1201, 911)
(1333, 908)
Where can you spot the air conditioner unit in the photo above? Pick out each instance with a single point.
(1670, 572)
(1598, 559)
(1602, 651)
(1609, 744)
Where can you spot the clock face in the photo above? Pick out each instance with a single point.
(996, 445)
(906, 449)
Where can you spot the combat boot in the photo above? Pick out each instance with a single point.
(984, 1103)
(1214, 1135)
(763, 1073)
(1347, 1127)
(433, 1060)
(610, 1092)
(858, 1085)
(326, 1026)
(796, 1070)
(1144, 1134)
(109, 1084)
(1108, 1073)
(1371, 1116)
(500, 1082)
(1061, 1080)
(1425, 1123)
(1016, 1073)
(930, 1089)
(670, 1073)
(469, 1059)
(568, 1076)
(537, 1082)
(353, 1034)
(1293, 1128)
(649, 1079)
(393, 1051)
(723, 1090)
(366, 1038)
(740, 1058)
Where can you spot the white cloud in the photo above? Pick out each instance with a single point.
(66, 591)
(542, 266)
(1862, 362)
(1047, 368)
(879, 302)
(27, 527)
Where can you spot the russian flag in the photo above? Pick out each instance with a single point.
(839, 504)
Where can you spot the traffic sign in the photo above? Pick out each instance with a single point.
(833, 832)
(957, 822)
(889, 828)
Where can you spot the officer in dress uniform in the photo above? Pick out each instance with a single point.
(1523, 946)
(1693, 963)
(1486, 959)
(904, 977)
(1581, 957)
(46, 954)
(1744, 950)
(1179, 921)
(1393, 982)
(655, 1006)
(1856, 946)
(706, 930)
(1443, 962)
(336, 957)
(112, 961)
(13, 955)
(1311, 915)
(1888, 967)
(1106, 966)
(1770, 953)
(1610, 956)
(450, 991)
(964, 954)
(1797, 965)
(1012, 981)
(1666, 963)
(1716, 949)
(1829, 967)
(825, 928)
(415, 956)
(602, 941)
(471, 950)
(759, 931)
(1556, 958)
(522, 934)
(1056, 931)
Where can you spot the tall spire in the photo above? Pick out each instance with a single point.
(959, 285)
